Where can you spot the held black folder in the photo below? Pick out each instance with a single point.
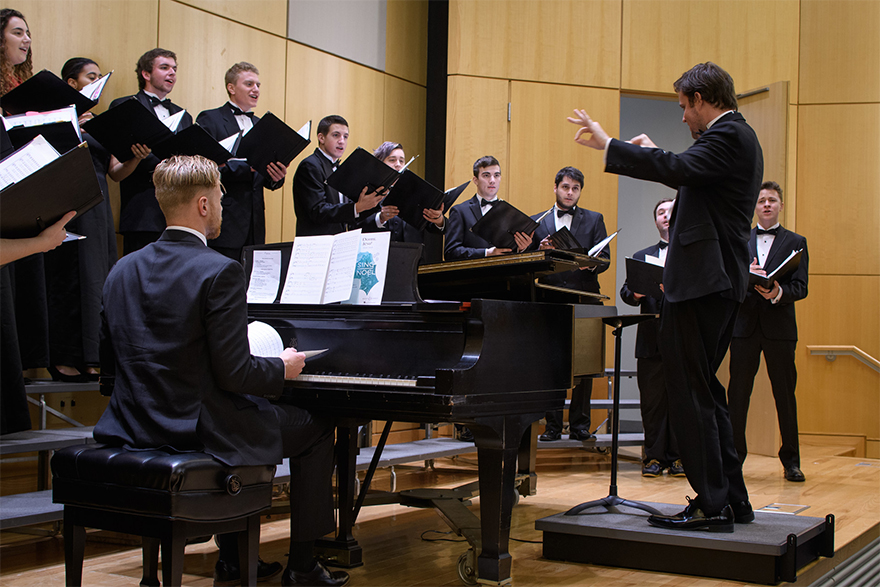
(42, 198)
(362, 170)
(125, 124)
(500, 223)
(787, 267)
(193, 140)
(412, 194)
(269, 141)
(565, 240)
(43, 92)
(60, 135)
(644, 278)
(451, 195)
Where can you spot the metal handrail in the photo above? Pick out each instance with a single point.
(832, 351)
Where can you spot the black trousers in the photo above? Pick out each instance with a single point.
(578, 410)
(745, 358)
(695, 335)
(660, 442)
(308, 444)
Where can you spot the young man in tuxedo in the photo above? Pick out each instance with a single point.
(661, 450)
(588, 228)
(766, 323)
(461, 243)
(319, 208)
(244, 211)
(140, 218)
(185, 378)
(705, 279)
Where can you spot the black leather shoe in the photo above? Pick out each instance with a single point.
(677, 469)
(794, 474)
(318, 576)
(465, 434)
(693, 518)
(742, 512)
(652, 469)
(581, 435)
(550, 435)
(227, 574)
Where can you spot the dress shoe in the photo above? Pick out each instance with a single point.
(465, 434)
(742, 512)
(316, 577)
(581, 435)
(550, 435)
(794, 474)
(227, 574)
(693, 518)
(59, 376)
(677, 469)
(653, 468)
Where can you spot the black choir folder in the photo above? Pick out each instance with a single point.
(500, 223)
(42, 198)
(788, 266)
(269, 141)
(131, 122)
(644, 278)
(63, 135)
(43, 92)
(565, 240)
(361, 170)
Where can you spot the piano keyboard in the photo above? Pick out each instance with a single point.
(351, 380)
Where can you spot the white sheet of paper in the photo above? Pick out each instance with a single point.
(305, 130)
(307, 271)
(592, 252)
(264, 340)
(653, 260)
(36, 154)
(371, 268)
(94, 89)
(173, 121)
(343, 259)
(229, 142)
(66, 114)
(265, 277)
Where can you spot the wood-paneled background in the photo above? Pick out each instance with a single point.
(534, 61)
(546, 58)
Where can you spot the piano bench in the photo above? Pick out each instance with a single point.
(165, 498)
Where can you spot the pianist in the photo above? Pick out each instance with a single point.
(174, 335)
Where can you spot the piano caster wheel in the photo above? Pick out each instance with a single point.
(516, 497)
(467, 567)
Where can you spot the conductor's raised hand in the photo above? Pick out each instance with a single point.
(590, 133)
(369, 201)
(293, 362)
(642, 140)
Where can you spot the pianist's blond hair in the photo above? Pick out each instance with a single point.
(182, 178)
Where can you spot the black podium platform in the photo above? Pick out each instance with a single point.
(769, 550)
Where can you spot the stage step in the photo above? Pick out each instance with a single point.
(602, 440)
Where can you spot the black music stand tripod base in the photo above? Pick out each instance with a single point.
(613, 500)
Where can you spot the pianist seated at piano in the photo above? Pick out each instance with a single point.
(392, 154)
(174, 343)
(461, 243)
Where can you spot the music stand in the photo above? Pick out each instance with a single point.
(618, 323)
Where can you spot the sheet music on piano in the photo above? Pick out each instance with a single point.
(265, 277)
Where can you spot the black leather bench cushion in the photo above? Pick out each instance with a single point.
(190, 486)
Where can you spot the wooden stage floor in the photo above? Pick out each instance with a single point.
(395, 552)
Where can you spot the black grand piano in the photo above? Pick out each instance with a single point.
(494, 365)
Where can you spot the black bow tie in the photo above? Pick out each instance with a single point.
(772, 231)
(156, 101)
(561, 213)
(663, 244)
(236, 111)
(484, 203)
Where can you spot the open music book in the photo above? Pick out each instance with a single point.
(349, 267)
(265, 341)
(59, 127)
(46, 91)
(499, 224)
(645, 277)
(788, 266)
(601, 245)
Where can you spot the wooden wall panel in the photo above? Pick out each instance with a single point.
(60, 32)
(406, 40)
(840, 51)
(839, 187)
(839, 396)
(319, 84)
(767, 113)
(561, 42)
(405, 119)
(542, 143)
(266, 15)
(476, 125)
(756, 41)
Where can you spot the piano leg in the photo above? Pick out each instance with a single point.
(344, 550)
(528, 456)
(498, 440)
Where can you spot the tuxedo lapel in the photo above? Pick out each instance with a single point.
(144, 99)
(779, 250)
(577, 221)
